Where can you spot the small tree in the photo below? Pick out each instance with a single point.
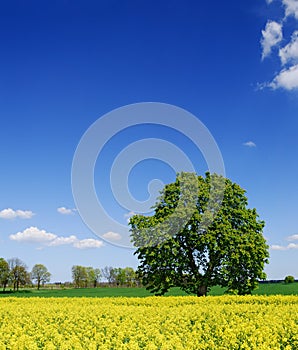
(40, 274)
(96, 277)
(18, 273)
(93, 276)
(289, 279)
(107, 273)
(4, 273)
(79, 276)
(130, 276)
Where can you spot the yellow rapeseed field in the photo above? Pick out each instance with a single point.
(166, 323)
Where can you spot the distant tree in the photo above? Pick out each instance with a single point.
(93, 276)
(40, 274)
(289, 279)
(118, 276)
(123, 276)
(97, 276)
(130, 276)
(4, 273)
(107, 273)
(79, 276)
(18, 273)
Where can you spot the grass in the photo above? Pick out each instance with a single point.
(264, 289)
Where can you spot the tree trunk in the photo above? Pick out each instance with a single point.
(38, 284)
(202, 291)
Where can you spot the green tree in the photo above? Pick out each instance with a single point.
(289, 279)
(18, 273)
(130, 276)
(123, 276)
(93, 276)
(201, 234)
(118, 276)
(40, 274)
(79, 276)
(4, 273)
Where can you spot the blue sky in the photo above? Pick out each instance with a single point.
(65, 64)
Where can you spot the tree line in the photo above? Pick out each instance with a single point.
(14, 274)
(83, 276)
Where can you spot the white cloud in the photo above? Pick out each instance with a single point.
(113, 236)
(12, 214)
(293, 238)
(291, 8)
(63, 240)
(289, 246)
(292, 246)
(269, 1)
(249, 144)
(289, 53)
(286, 79)
(278, 247)
(271, 36)
(35, 235)
(88, 243)
(65, 211)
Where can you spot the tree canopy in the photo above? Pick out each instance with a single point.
(18, 274)
(40, 274)
(207, 236)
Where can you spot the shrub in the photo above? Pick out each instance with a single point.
(289, 279)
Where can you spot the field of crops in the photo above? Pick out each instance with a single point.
(226, 322)
(48, 292)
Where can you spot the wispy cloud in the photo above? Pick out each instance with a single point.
(278, 247)
(286, 79)
(249, 144)
(70, 240)
(271, 36)
(289, 246)
(44, 238)
(13, 214)
(66, 211)
(289, 53)
(112, 236)
(291, 8)
(293, 238)
(88, 243)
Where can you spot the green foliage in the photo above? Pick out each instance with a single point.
(289, 279)
(40, 274)
(79, 276)
(18, 274)
(4, 273)
(218, 241)
(85, 276)
(123, 276)
(263, 289)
